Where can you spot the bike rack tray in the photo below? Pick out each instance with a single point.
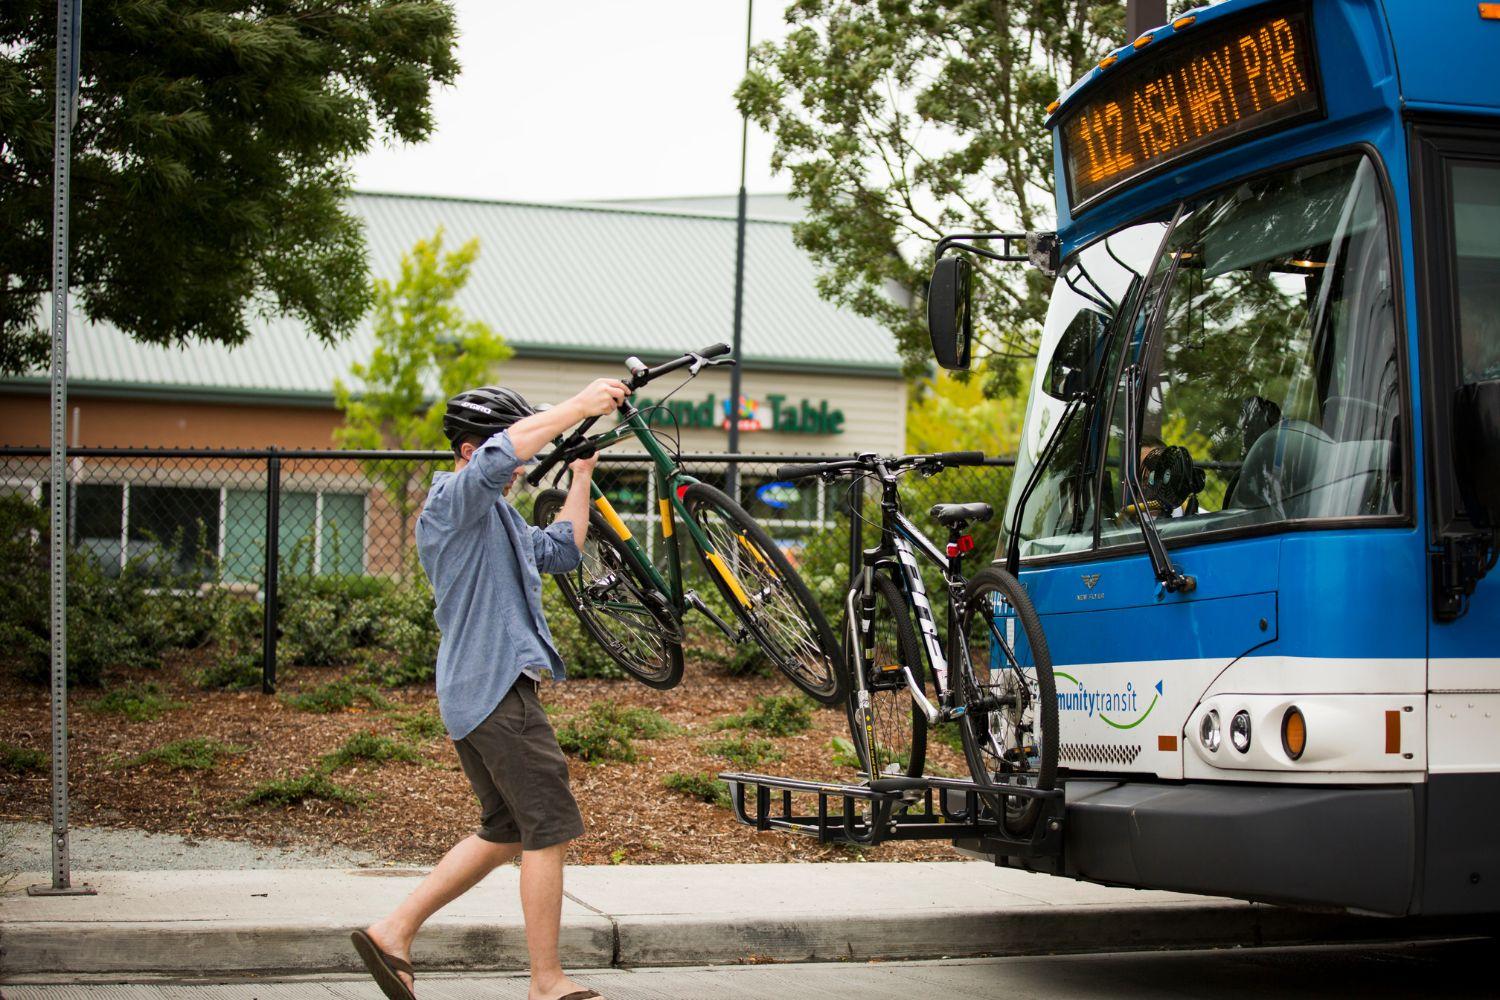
(928, 808)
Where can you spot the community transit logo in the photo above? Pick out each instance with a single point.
(1123, 706)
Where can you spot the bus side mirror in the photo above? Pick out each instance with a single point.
(949, 322)
(1476, 450)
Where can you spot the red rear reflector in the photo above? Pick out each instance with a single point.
(1166, 744)
(681, 492)
(952, 550)
(1393, 732)
(966, 543)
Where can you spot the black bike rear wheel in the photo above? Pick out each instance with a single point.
(767, 594)
(1010, 733)
(888, 725)
(619, 610)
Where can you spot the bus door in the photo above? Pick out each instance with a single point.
(1457, 191)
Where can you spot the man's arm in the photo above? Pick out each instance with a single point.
(599, 397)
(576, 507)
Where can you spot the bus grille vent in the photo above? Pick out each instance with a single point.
(1099, 753)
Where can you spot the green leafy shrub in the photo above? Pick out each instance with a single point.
(948, 734)
(193, 754)
(404, 634)
(314, 634)
(700, 786)
(369, 746)
(708, 647)
(19, 760)
(237, 640)
(744, 751)
(336, 696)
(137, 702)
(423, 726)
(774, 715)
(606, 731)
(290, 791)
(845, 754)
(324, 619)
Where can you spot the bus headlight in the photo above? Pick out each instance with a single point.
(1239, 731)
(1208, 731)
(1293, 732)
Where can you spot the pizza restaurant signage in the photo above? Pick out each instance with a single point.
(775, 413)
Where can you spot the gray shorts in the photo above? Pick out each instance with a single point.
(515, 766)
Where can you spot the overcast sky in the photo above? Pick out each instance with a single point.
(588, 99)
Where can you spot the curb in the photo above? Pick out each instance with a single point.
(599, 941)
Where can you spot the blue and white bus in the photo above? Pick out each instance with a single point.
(1276, 316)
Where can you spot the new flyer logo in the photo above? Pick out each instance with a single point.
(1123, 705)
(749, 415)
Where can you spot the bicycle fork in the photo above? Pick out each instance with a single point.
(862, 643)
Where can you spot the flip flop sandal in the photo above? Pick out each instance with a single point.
(383, 968)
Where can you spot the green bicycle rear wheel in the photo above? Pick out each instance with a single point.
(619, 610)
(767, 594)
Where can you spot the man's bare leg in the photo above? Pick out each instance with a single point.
(469, 861)
(541, 902)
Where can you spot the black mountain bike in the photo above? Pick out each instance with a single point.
(992, 674)
(634, 610)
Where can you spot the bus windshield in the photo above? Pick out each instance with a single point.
(1271, 370)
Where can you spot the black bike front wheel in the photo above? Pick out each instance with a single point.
(623, 613)
(767, 594)
(1010, 697)
(886, 721)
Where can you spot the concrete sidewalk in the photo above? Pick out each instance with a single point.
(280, 921)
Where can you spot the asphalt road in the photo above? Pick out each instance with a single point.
(1442, 969)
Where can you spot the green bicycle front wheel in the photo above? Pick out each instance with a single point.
(620, 611)
(767, 594)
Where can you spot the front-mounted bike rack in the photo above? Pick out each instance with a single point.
(928, 808)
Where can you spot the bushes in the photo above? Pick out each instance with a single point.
(291, 791)
(193, 754)
(606, 731)
(369, 746)
(700, 786)
(744, 751)
(774, 715)
(137, 702)
(20, 760)
(336, 696)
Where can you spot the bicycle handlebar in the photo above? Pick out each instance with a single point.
(568, 448)
(871, 463)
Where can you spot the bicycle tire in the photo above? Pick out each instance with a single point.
(892, 710)
(995, 742)
(652, 653)
(813, 660)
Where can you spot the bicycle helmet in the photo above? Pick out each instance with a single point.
(483, 413)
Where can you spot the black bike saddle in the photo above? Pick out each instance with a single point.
(961, 513)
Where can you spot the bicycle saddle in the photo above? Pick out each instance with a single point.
(961, 513)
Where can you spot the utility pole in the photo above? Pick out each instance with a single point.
(732, 474)
(69, 17)
(1143, 15)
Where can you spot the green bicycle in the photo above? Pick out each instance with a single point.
(634, 611)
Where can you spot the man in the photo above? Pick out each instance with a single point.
(485, 563)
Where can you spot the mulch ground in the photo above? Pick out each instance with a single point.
(416, 811)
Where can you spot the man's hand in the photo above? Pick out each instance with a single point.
(575, 507)
(601, 396)
(584, 467)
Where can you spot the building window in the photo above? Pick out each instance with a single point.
(318, 532)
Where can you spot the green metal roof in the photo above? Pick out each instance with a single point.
(554, 280)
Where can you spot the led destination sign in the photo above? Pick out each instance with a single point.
(1200, 93)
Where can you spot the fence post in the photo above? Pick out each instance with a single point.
(273, 572)
(856, 524)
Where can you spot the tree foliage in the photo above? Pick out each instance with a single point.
(902, 120)
(945, 413)
(209, 158)
(423, 342)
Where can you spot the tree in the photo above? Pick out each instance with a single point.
(945, 413)
(426, 350)
(901, 121)
(209, 164)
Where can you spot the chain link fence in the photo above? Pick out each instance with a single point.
(271, 527)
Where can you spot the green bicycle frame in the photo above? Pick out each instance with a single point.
(669, 478)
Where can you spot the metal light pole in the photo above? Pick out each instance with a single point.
(69, 16)
(1143, 15)
(732, 475)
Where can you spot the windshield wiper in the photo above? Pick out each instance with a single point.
(1170, 577)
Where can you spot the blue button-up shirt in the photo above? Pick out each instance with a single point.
(485, 564)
